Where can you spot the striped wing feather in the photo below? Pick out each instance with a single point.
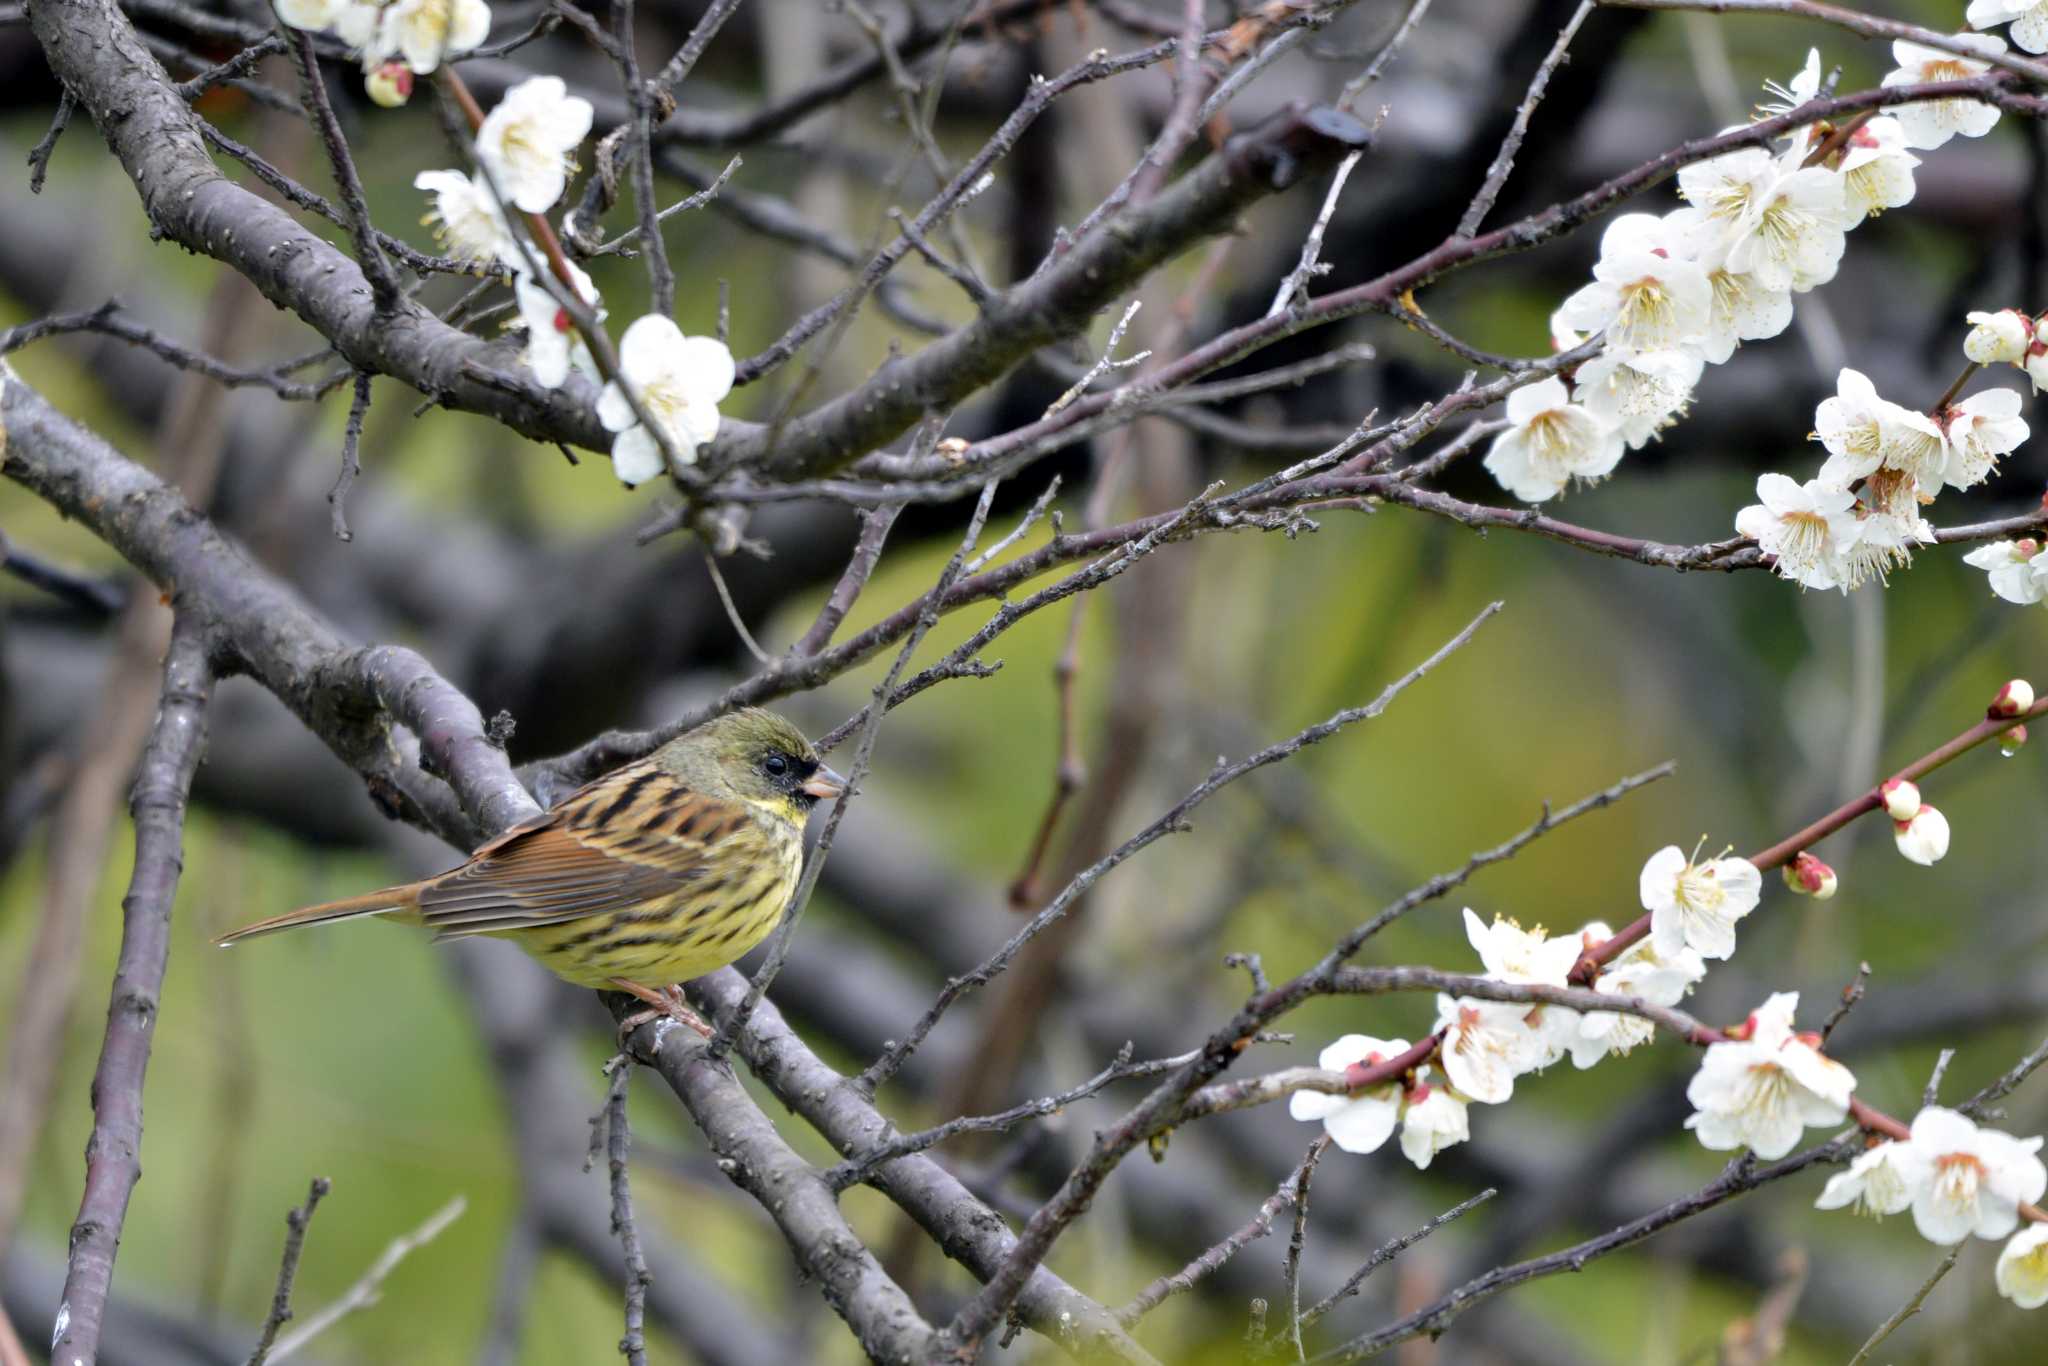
(629, 838)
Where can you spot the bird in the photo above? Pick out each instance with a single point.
(662, 870)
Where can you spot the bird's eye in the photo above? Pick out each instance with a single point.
(776, 764)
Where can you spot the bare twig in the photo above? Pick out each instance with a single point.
(369, 1287)
(618, 1143)
(288, 1270)
(778, 943)
(369, 253)
(39, 155)
(1909, 1308)
(351, 458)
(113, 1155)
(1504, 160)
(1292, 1193)
(1290, 1269)
(1386, 1252)
(867, 553)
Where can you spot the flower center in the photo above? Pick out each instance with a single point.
(1646, 317)
(1957, 1178)
(1804, 542)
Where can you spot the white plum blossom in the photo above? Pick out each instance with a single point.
(426, 31)
(1513, 954)
(2029, 20)
(1806, 529)
(553, 345)
(1801, 88)
(1694, 905)
(527, 141)
(1876, 170)
(2023, 1265)
(1924, 838)
(1882, 1180)
(1741, 308)
(1784, 226)
(1363, 1121)
(1486, 1045)
(1852, 427)
(2010, 565)
(466, 220)
(1759, 1092)
(1639, 394)
(310, 15)
(1888, 526)
(1641, 972)
(1647, 293)
(679, 380)
(1551, 442)
(1978, 430)
(2004, 336)
(362, 24)
(1791, 238)
(1435, 1118)
(1976, 1179)
(1931, 123)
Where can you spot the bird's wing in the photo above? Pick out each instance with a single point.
(628, 838)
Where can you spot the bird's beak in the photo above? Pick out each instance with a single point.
(823, 783)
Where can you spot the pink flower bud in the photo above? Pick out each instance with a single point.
(1924, 838)
(390, 84)
(1901, 798)
(1808, 876)
(2009, 741)
(2013, 699)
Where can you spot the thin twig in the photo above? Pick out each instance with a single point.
(860, 566)
(732, 611)
(855, 1170)
(369, 254)
(39, 155)
(1212, 1259)
(1360, 83)
(618, 1142)
(1504, 160)
(288, 1269)
(351, 458)
(1311, 264)
(641, 95)
(778, 943)
(1976, 1106)
(1389, 1250)
(367, 1290)
(1290, 1267)
(1909, 1308)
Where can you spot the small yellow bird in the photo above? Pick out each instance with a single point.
(658, 872)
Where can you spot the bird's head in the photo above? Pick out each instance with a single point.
(753, 756)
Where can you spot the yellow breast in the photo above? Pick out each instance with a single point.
(708, 922)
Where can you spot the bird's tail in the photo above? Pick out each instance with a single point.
(384, 902)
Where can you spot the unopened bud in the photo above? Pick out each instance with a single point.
(1901, 798)
(1924, 838)
(2009, 741)
(1808, 876)
(2026, 547)
(2014, 699)
(390, 84)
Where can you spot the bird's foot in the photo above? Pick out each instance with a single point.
(667, 1004)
